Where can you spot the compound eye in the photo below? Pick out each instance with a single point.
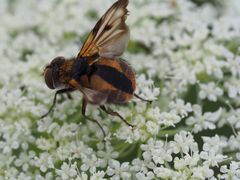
(49, 78)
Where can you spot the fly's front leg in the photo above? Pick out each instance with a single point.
(69, 95)
(62, 91)
(84, 106)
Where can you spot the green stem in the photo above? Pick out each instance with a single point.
(167, 165)
(139, 152)
(120, 145)
(231, 157)
(125, 153)
(172, 132)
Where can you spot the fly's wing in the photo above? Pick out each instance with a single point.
(110, 36)
(92, 96)
(95, 97)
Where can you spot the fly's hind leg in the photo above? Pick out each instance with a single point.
(148, 101)
(62, 91)
(113, 113)
(84, 106)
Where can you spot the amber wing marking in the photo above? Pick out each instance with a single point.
(110, 35)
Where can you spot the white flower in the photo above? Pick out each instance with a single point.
(89, 163)
(202, 172)
(233, 87)
(79, 149)
(233, 118)
(63, 152)
(162, 172)
(187, 160)
(218, 50)
(233, 172)
(214, 143)
(210, 91)
(48, 175)
(44, 162)
(142, 166)
(152, 127)
(179, 107)
(67, 171)
(138, 165)
(238, 156)
(24, 176)
(6, 160)
(44, 144)
(107, 154)
(212, 158)
(145, 176)
(234, 65)
(118, 171)
(45, 125)
(214, 67)
(66, 130)
(25, 160)
(11, 173)
(157, 152)
(234, 142)
(99, 175)
(82, 176)
(203, 121)
(129, 134)
(168, 119)
(183, 142)
(154, 113)
(145, 88)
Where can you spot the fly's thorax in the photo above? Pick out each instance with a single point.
(80, 67)
(72, 69)
(65, 71)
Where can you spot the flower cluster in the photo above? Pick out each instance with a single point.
(187, 60)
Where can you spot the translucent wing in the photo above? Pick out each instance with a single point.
(95, 97)
(92, 96)
(110, 35)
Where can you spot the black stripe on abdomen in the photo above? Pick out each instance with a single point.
(114, 77)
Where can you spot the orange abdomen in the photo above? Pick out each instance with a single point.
(114, 77)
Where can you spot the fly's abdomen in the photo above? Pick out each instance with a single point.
(114, 77)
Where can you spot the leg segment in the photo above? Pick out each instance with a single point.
(111, 112)
(84, 106)
(137, 96)
(62, 91)
(69, 96)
